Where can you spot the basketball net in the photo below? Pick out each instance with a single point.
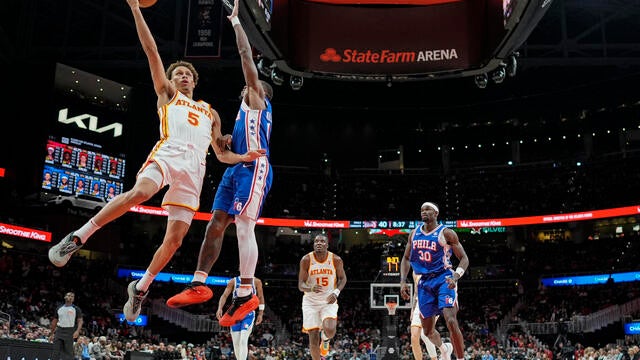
(391, 307)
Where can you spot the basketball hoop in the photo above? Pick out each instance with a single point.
(391, 307)
(391, 302)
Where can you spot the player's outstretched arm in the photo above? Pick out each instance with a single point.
(255, 93)
(163, 87)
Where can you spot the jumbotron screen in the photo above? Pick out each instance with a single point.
(77, 167)
(386, 36)
(377, 39)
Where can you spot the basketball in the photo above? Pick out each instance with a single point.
(147, 3)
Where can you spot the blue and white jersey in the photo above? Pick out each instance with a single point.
(245, 185)
(430, 253)
(252, 129)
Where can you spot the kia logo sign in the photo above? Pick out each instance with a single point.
(80, 121)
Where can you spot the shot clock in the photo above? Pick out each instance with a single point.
(390, 267)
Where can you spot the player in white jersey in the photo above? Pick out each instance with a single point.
(416, 331)
(321, 278)
(178, 160)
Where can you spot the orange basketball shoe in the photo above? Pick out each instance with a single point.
(324, 346)
(240, 307)
(195, 293)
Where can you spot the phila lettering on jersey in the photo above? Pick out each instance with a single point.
(430, 253)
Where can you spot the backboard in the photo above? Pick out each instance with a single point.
(379, 292)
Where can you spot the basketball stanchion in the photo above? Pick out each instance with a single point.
(390, 331)
(386, 296)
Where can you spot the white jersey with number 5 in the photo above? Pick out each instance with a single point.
(181, 152)
(323, 274)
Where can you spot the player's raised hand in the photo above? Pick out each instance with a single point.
(234, 12)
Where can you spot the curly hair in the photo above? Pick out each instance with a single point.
(186, 64)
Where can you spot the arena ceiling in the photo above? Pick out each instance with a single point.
(576, 43)
(582, 55)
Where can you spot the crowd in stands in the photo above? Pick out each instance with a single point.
(30, 288)
(505, 269)
(466, 193)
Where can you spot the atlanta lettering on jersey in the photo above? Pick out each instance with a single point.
(181, 102)
(425, 244)
(321, 272)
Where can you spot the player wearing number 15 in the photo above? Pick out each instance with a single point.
(428, 252)
(321, 278)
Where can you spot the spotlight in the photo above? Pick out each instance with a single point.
(264, 69)
(512, 64)
(499, 74)
(277, 77)
(296, 82)
(481, 80)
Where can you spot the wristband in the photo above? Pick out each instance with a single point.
(235, 21)
(460, 271)
(336, 292)
(403, 279)
(261, 307)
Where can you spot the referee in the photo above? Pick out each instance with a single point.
(65, 327)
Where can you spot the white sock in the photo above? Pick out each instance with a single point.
(145, 281)
(431, 349)
(86, 230)
(323, 336)
(247, 246)
(200, 276)
(244, 290)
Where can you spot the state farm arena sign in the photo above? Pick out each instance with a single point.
(338, 38)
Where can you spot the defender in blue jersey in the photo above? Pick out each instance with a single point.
(241, 193)
(241, 331)
(428, 252)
